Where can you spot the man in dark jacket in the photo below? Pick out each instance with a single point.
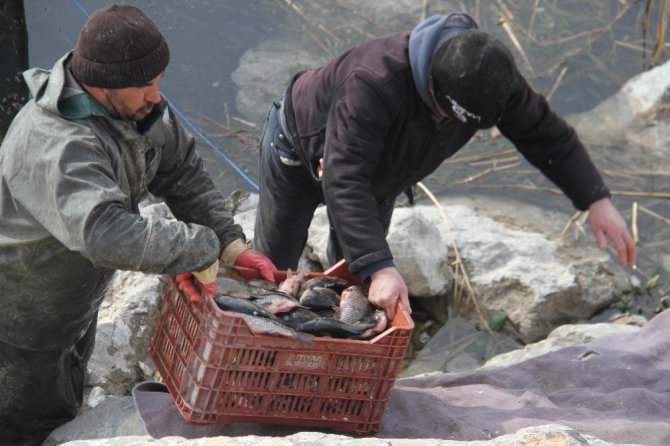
(357, 131)
(95, 140)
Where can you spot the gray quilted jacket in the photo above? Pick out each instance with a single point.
(71, 178)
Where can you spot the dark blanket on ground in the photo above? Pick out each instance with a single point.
(616, 388)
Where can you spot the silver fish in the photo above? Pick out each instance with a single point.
(291, 285)
(241, 288)
(261, 325)
(319, 298)
(378, 321)
(336, 284)
(232, 287)
(277, 303)
(297, 316)
(326, 326)
(354, 305)
(263, 283)
(241, 305)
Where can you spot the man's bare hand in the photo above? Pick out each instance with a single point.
(386, 288)
(605, 221)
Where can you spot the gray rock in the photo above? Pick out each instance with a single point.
(458, 346)
(546, 435)
(125, 325)
(264, 73)
(423, 262)
(563, 336)
(635, 117)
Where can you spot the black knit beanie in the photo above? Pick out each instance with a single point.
(119, 47)
(473, 76)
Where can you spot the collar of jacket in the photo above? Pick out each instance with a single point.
(80, 106)
(75, 102)
(57, 91)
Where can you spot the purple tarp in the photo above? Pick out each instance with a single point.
(616, 388)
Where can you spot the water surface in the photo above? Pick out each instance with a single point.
(577, 52)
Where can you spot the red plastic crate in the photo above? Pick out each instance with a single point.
(219, 372)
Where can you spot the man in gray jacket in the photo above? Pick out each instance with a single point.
(95, 140)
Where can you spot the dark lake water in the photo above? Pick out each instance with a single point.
(577, 52)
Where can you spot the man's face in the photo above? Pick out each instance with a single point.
(133, 103)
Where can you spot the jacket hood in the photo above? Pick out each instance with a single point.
(426, 38)
(58, 92)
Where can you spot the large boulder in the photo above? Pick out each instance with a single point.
(539, 282)
(264, 73)
(637, 117)
(563, 336)
(125, 324)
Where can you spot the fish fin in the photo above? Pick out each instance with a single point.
(307, 338)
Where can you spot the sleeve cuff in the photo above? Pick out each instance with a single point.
(370, 270)
(599, 195)
(232, 250)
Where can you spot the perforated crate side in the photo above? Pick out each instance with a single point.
(174, 338)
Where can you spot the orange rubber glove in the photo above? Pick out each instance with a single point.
(254, 259)
(185, 284)
(206, 280)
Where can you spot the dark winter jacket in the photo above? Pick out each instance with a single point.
(364, 114)
(71, 178)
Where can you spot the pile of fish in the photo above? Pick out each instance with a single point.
(299, 307)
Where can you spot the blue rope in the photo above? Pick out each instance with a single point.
(81, 8)
(210, 144)
(190, 124)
